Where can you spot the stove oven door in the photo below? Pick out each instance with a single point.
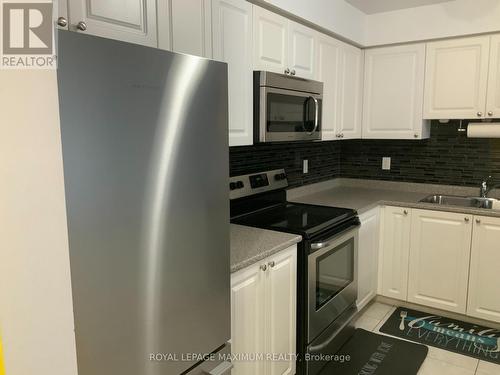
(332, 280)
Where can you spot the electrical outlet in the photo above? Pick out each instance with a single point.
(386, 163)
(305, 166)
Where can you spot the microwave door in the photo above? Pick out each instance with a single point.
(288, 115)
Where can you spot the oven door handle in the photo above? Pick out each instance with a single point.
(320, 245)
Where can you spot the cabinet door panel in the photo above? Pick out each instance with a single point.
(484, 299)
(456, 77)
(270, 41)
(439, 259)
(128, 20)
(393, 92)
(368, 247)
(328, 61)
(493, 97)
(232, 43)
(191, 27)
(351, 88)
(394, 252)
(281, 325)
(247, 318)
(302, 50)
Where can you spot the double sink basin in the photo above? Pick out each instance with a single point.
(470, 202)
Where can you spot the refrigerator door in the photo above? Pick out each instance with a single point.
(145, 149)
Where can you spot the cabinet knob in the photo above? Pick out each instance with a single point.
(478, 221)
(61, 21)
(287, 71)
(480, 114)
(405, 212)
(271, 264)
(466, 219)
(415, 135)
(292, 72)
(82, 26)
(263, 267)
(490, 113)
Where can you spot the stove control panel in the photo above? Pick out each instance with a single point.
(255, 183)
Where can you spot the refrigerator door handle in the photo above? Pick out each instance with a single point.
(223, 369)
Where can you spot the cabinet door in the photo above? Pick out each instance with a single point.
(281, 307)
(493, 97)
(439, 259)
(129, 20)
(393, 92)
(302, 50)
(190, 27)
(270, 41)
(456, 76)
(368, 245)
(247, 318)
(484, 300)
(350, 96)
(394, 252)
(328, 69)
(232, 43)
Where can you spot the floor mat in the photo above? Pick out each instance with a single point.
(367, 353)
(445, 333)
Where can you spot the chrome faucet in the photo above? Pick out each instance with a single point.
(486, 187)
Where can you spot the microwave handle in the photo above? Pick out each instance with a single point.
(316, 114)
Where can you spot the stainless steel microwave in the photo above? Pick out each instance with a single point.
(286, 108)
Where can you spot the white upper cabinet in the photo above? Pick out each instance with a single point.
(483, 299)
(283, 46)
(493, 95)
(270, 41)
(439, 259)
(456, 78)
(302, 48)
(328, 60)
(393, 93)
(394, 252)
(127, 20)
(339, 67)
(351, 89)
(185, 26)
(232, 43)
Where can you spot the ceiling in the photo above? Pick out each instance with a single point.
(379, 6)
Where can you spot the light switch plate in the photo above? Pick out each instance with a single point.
(386, 163)
(305, 166)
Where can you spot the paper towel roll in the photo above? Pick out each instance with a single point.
(483, 130)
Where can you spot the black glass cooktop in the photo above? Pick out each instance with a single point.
(303, 219)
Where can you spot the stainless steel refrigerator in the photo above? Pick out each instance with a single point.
(145, 151)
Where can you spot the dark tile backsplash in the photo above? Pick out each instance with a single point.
(447, 157)
(323, 157)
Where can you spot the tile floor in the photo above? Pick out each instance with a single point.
(438, 361)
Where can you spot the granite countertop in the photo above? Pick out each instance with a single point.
(363, 195)
(249, 245)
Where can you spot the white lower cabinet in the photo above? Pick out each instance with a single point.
(394, 252)
(439, 259)
(263, 313)
(368, 245)
(484, 278)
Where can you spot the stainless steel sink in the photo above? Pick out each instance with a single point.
(453, 200)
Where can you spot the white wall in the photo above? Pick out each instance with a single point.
(454, 18)
(36, 311)
(450, 19)
(334, 15)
